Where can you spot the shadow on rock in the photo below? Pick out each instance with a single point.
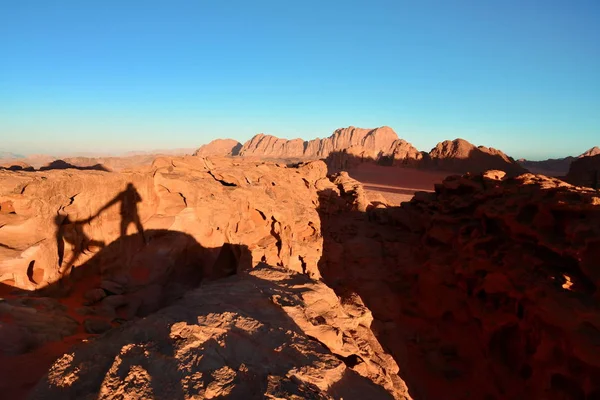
(479, 290)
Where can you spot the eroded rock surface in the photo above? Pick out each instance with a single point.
(485, 289)
(56, 220)
(267, 333)
(87, 253)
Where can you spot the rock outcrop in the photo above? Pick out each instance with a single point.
(219, 147)
(585, 171)
(85, 251)
(370, 143)
(594, 151)
(461, 156)
(225, 277)
(486, 288)
(267, 333)
(348, 147)
(215, 202)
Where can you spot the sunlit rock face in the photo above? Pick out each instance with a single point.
(219, 147)
(54, 221)
(348, 147)
(200, 275)
(376, 143)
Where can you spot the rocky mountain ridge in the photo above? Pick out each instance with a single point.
(348, 146)
(556, 166)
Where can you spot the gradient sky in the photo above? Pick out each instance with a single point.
(522, 76)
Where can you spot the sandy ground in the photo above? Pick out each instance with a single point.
(394, 183)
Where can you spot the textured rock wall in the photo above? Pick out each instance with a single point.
(485, 289)
(267, 208)
(271, 330)
(267, 333)
(375, 142)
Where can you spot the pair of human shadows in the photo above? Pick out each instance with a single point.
(72, 231)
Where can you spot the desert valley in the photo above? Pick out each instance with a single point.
(353, 267)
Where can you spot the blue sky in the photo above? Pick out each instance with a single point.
(522, 76)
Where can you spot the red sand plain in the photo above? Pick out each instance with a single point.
(396, 184)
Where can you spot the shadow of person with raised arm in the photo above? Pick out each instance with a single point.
(129, 212)
(72, 233)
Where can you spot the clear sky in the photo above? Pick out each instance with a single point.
(519, 75)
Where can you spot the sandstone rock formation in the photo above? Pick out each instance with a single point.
(486, 288)
(225, 277)
(89, 250)
(585, 171)
(219, 147)
(461, 156)
(371, 143)
(268, 333)
(227, 202)
(349, 147)
(594, 151)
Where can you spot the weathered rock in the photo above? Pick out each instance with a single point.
(487, 288)
(115, 247)
(461, 156)
(594, 151)
(266, 333)
(95, 326)
(349, 147)
(26, 324)
(367, 143)
(55, 219)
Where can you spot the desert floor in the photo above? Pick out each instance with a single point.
(396, 184)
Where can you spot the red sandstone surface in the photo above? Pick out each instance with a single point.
(205, 277)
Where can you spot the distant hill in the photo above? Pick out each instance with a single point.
(556, 166)
(220, 147)
(6, 155)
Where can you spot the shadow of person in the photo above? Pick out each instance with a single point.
(72, 233)
(129, 211)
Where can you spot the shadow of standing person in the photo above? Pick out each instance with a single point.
(129, 212)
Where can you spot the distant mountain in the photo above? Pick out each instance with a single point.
(7, 155)
(171, 152)
(585, 171)
(556, 166)
(461, 156)
(347, 146)
(594, 151)
(227, 147)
